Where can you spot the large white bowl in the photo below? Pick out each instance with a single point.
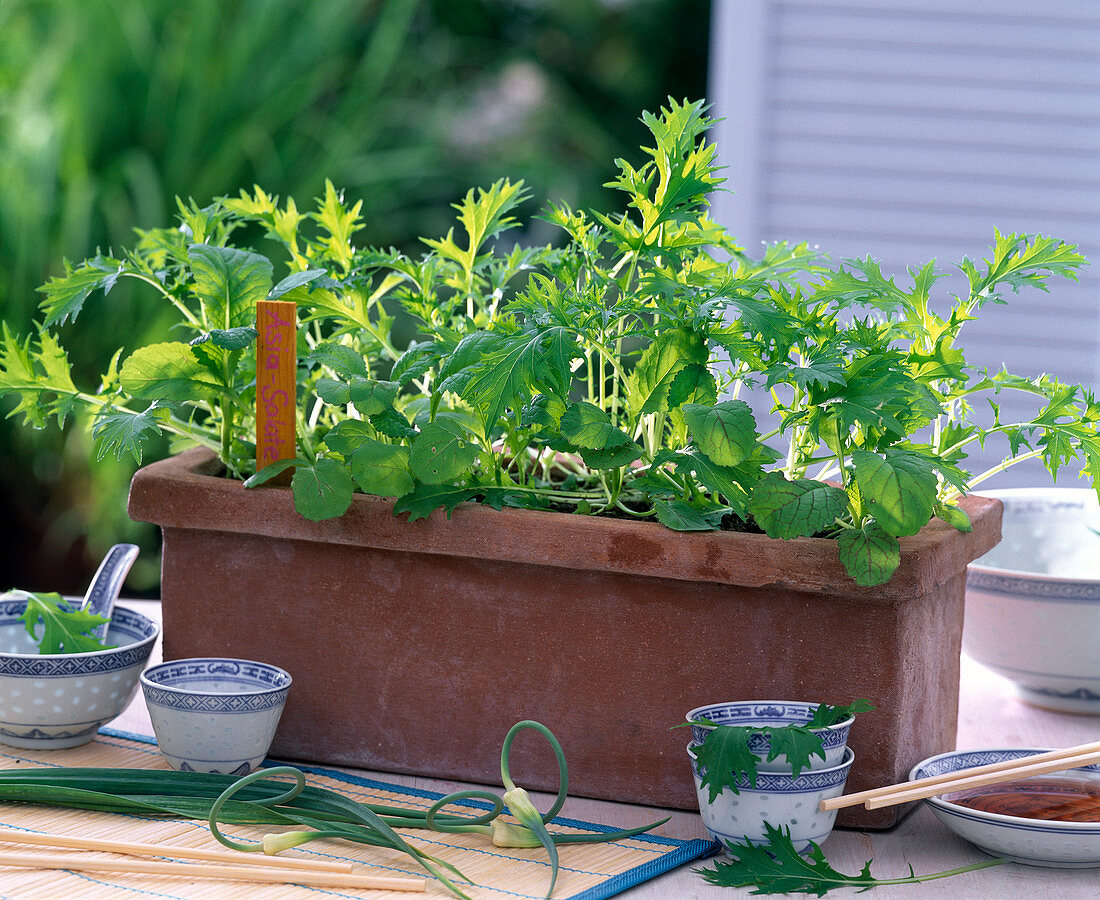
(1033, 601)
(1035, 842)
(56, 700)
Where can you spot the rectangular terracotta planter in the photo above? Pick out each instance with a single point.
(414, 647)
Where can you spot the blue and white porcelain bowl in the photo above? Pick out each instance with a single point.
(771, 713)
(56, 700)
(1035, 842)
(215, 714)
(777, 799)
(1033, 601)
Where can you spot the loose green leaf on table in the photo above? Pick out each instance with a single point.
(775, 867)
(64, 629)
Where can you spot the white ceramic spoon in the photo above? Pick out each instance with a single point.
(107, 583)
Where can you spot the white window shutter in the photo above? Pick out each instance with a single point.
(910, 130)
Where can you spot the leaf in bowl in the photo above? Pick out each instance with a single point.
(65, 630)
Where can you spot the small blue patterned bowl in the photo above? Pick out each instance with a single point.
(1034, 842)
(50, 701)
(215, 714)
(777, 799)
(761, 713)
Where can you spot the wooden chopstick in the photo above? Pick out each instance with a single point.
(81, 863)
(72, 842)
(978, 776)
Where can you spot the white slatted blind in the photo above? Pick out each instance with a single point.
(909, 130)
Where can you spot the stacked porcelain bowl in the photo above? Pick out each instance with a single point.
(778, 796)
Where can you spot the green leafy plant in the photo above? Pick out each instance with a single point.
(775, 867)
(64, 629)
(604, 375)
(726, 759)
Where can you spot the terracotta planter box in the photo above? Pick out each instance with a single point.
(414, 647)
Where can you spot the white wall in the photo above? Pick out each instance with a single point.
(909, 130)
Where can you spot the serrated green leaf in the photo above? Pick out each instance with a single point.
(372, 397)
(118, 430)
(610, 457)
(64, 629)
(543, 409)
(381, 469)
(170, 371)
(322, 490)
(681, 516)
(414, 362)
(692, 384)
(801, 508)
(524, 363)
(825, 715)
(424, 499)
(229, 283)
(392, 424)
(40, 378)
(726, 432)
(899, 491)
(343, 360)
(228, 339)
(441, 453)
(953, 516)
(65, 296)
(648, 385)
(333, 392)
(295, 280)
(587, 426)
(869, 554)
(725, 760)
(734, 483)
(797, 744)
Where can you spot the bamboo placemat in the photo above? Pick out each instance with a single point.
(587, 871)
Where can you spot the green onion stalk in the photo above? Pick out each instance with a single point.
(311, 812)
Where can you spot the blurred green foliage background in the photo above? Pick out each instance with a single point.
(109, 109)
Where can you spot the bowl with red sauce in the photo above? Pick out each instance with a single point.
(1045, 820)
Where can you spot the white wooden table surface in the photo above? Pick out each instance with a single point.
(989, 716)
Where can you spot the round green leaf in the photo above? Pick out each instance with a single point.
(899, 491)
(589, 427)
(382, 469)
(726, 432)
(441, 453)
(869, 554)
(800, 508)
(169, 371)
(371, 397)
(322, 490)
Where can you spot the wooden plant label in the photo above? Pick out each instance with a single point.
(276, 381)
